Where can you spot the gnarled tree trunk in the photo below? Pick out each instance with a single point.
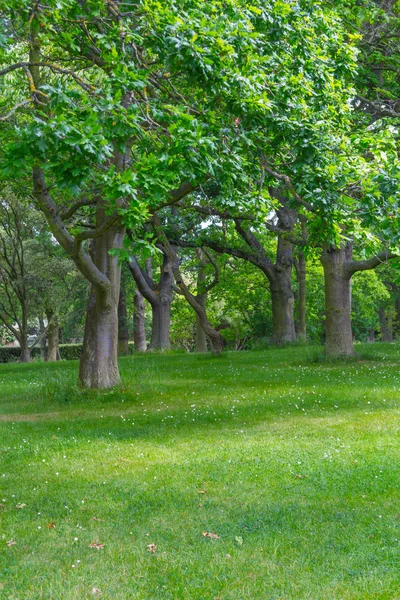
(339, 267)
(201, 338)
(161, 321)
(99, 361)
(339, 336)
(282, 297)
(139, 333)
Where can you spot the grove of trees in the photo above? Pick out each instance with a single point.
(198, 175)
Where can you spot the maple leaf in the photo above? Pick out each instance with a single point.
(151, 548)
(96, 545)
(210, 535)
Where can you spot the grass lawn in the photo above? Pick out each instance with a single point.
(292, 462)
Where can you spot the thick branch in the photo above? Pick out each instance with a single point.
(143, 281)
(370, 263)
(82, 259)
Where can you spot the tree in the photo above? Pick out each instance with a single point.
(103, 120)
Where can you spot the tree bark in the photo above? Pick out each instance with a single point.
(301, 280)
(397, 308)
(99, 361)
(282, 296)
(201, 338)
(386, 323)
(139, 333)
(123, 330)
(25, 354)
(43, 348)
(389, 326)
(52, 338)
(161, 322)
(339, 337)
(159, 295)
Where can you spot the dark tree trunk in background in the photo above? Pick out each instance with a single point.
(339, 336)
(139, 333)
(25, 354)
(123, 330)
(301, 281)
(161, 308)
(161, 323)
(53, 352)
(397, 317)
(339, 267)
(201, 338)
(386, 323)
(159, 295)
(371, 335)
(279, 274)
(282, 299)
(43, 344)
(99, 361)
(389, 326)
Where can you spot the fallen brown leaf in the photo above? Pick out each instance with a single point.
(151, 548)
(213, 536)
(51, 525)
(300, 476)
(11, 543)
(96, 545)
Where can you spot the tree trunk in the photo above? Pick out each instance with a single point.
(161, 301)
(382, 321)
(43, 349)
(99, 361)
(201, 338)
(386, 322)
(397, 307)
(389, 326)
(123, 331)
(282, 296)
(339, 337)
(139, 333)
(52, 338)
(371, 335)
(161, 322)
(25, 354)
(301, 278)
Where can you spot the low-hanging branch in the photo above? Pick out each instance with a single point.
(370, 263)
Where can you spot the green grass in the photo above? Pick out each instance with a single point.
(299, 460)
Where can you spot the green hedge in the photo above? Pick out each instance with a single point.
(67, 352)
